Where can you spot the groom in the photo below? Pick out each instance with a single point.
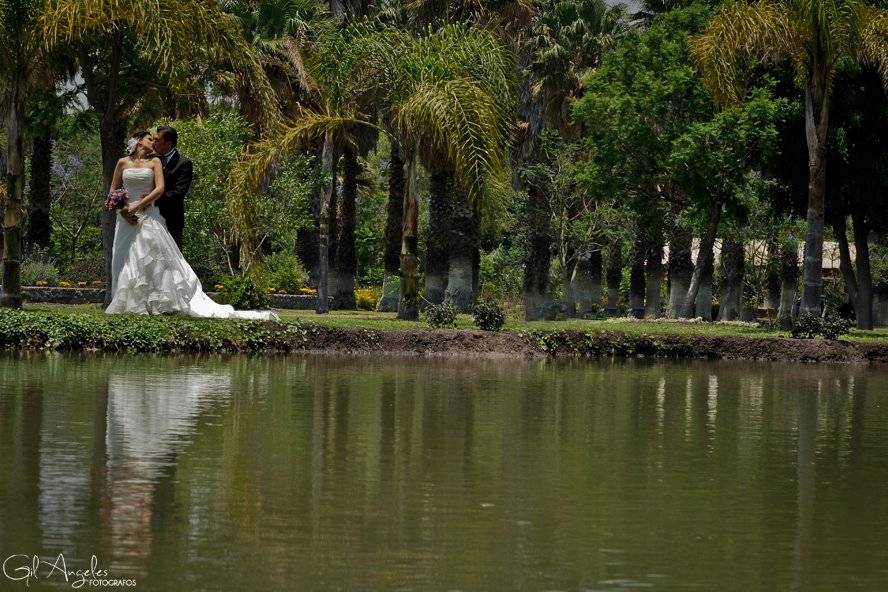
(177, 173)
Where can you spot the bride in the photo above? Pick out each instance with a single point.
(149, 273)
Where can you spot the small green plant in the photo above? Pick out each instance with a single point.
(835, 326)
(88, 269)
(283, 273)
(488, 316)
(809, 326)
(440, 316)
(241, 292)
(39, 273)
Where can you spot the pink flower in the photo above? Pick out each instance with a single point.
(116, 199)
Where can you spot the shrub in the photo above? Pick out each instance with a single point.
(835, 326)
(439, 316)
(39, 273)
(241, 292)
(366, 298)
(809, 326)
(283, 272)
(86, 270)
(488, 316)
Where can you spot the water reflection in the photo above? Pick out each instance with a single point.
(338, 473)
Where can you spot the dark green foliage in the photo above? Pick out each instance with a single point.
(440, 316)
(488, 316)
(136, 333)
(810, 326)
(283, 272)
(241, 292)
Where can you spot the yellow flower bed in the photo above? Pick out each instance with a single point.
(366, 298)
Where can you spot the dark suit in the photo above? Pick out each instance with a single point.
(177, 181)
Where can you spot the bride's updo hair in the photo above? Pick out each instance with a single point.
(133, 143)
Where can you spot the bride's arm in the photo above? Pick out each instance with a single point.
(117, 179)
(155, 193)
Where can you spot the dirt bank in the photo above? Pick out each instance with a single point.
(429, 342)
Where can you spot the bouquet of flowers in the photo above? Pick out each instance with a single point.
(116, 199)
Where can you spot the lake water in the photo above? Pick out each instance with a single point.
(340, 473)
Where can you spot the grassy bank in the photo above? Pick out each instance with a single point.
(47, 327)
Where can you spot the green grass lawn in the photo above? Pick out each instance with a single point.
(359, 319)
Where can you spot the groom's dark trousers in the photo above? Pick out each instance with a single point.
(177, 181)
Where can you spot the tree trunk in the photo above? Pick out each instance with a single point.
(326, 199)
(863, 306)
(333, 229)
(636, 278)
(816, 127)
(346, 257)
(39, 223)
(789, 278)
(15, 185)
(680, 269)
(438, 239)
(703, 305)
(537, 303)
(772, 276)
(614, 277)
(408, 304)
(653, 271)
(586, 282)
(464, 232)
(393, 228)
(569, 263)
(857, 282)
(733, 261)
(704, 263)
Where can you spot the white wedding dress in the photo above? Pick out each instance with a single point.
(149, 273)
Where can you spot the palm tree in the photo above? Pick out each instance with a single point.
(20, 53)
(815, 35)
(445, 95)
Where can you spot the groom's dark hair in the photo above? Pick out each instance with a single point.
(168, 133)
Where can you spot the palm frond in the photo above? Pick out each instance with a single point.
(282, 142)
(874, 40)
(171, 35)
(742, 35)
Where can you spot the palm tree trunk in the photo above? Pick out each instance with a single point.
(346, 257)
(680, 269)
(569, 262)
(333, 229)
(393, 227)
(772, 276)
(636, 278)
(703, 305)
(15, 185)
(864, 305)
(705, 256)
(653, 271)
(323, 303)
(858, 283)
(789, 277)
(816, 127)
(586, 282)
(461, 267)
(537, 257)
(40, 199)
(438, 236)
(614, 277)
(733, 262)
(408, 304)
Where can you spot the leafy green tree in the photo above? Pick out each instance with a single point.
(815, 36)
